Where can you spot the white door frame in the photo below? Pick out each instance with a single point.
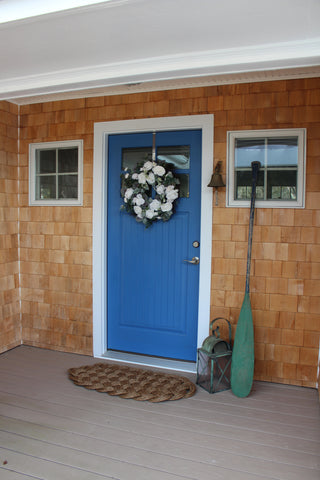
(101, 132)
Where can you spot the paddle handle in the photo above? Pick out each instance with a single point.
(255, 166)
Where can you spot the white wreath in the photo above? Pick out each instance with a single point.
(139, 184)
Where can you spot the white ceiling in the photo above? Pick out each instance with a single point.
(18, 9)
(131, 45)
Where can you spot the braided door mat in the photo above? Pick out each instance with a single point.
(135, 383)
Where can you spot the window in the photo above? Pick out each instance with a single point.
(56, 173)
(281, 178)
(177, 155)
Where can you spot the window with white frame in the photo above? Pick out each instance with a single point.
(281, 179)
(55, 173)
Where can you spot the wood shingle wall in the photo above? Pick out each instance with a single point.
(10, 334)
(56, 242)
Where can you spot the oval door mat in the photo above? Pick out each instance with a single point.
(128, 382)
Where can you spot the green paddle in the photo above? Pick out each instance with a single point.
(242, 364)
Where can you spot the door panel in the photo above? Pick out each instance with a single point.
(152, 293)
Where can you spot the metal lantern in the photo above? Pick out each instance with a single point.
(214, 360)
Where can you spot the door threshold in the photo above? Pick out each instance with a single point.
(146, 361)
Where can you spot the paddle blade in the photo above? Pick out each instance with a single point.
(242, 364)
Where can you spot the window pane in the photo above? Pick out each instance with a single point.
(283, 152)
(68, 186)
(132, 156)
(45, 187)
(278, 173)
(67, 160)
(243, 183)
(46, 161)
(282, 184)
(248, 151)
(178, 155)
(184, 184)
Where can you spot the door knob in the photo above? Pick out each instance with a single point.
(194, 261)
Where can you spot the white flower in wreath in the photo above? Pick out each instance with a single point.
(142, 178)
(155, 205)
(166, 207)
(171, 194)
(151, 178)
(160, 189)
(159, 170)
(138, 200)
(128, 193)
(151, 214)
(137, 210)
(147, 166)
(135, 176)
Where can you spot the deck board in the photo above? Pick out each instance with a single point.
(52, 429)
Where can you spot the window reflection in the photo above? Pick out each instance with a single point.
(178, 155)
(132, 156)
(278, 175)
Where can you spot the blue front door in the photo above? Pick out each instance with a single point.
(152, 291)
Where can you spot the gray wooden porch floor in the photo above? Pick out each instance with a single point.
(51, 429)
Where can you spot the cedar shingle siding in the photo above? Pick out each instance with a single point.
(56, 242)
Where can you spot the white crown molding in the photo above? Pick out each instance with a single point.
(193, 82)
(226, 62)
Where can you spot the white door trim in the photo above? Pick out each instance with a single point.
(101, 132)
